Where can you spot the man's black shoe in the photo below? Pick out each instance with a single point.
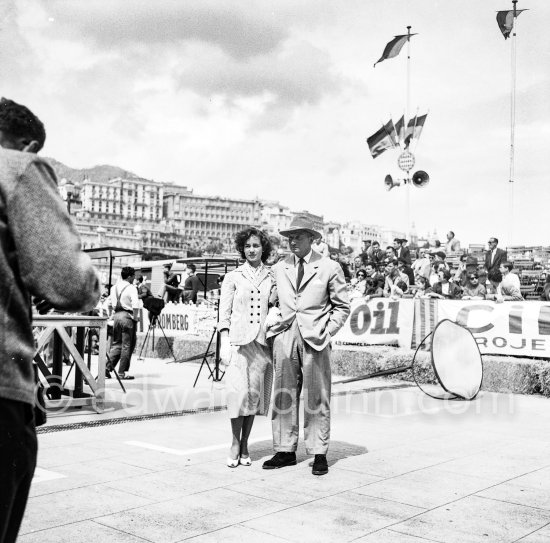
(320, 466)
(280, 460)
(107, 374)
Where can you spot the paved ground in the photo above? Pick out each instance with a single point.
(403, 468)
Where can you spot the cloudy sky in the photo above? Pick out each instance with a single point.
(274, 99)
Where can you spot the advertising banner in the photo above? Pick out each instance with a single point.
(378, 322)
(509, 328)
(175, 319)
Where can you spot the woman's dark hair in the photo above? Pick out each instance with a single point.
(423, 279)
(361, 272)
(242, 237)
(446, 273)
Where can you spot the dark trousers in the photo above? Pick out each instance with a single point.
(18, 448)
(124, 341)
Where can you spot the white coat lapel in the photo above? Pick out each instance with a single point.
(290, 271)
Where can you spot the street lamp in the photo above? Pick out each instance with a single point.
(69, 189)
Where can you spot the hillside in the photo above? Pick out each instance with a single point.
(102, 172)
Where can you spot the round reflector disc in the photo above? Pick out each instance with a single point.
(456, 359)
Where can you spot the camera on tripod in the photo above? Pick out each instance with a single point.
(154, 306)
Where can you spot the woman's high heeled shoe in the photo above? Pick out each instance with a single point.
(245, 461)
(233, 463)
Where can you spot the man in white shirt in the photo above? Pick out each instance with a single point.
(421, 266)
(452, 245)
(509, 288)
(124, 299)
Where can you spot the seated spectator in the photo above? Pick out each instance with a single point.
(473, 290)
(358, 263)
(510, 293)
(452, 245)
(391, 254)
(434, 267)
(421, 266)
(359, 285)
(376, 254)
(396, 283)
(509, 279)
(375, 289)
(406, 269)
(440, 258)
(444, 289)
(423, 287)
(460, 275)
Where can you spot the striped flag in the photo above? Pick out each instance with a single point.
(383, 139)
(400, 129)
(505, 20)
(425, 319)
(409, 132)
(393, 48)
(414, 128)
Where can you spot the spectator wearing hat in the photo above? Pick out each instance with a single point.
(402, 251)
(473, 290)
(312, 299)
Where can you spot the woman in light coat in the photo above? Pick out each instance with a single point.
(243, 309)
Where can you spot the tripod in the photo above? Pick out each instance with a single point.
(154, 321)
(215, 371)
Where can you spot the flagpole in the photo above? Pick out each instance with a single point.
(512, 124)
(407, 111)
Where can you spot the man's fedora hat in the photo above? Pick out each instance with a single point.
(301, 223)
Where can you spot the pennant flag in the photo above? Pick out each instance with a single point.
(382, 139)
(393, 48)
(400, 129)
(419, 126)
(409, 133)
(505, 20)
(414, 128)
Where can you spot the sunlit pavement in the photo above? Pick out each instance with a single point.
(403, 468)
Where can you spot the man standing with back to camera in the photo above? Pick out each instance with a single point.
(311, 294)
(40, 256)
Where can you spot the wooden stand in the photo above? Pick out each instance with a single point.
(57, 394)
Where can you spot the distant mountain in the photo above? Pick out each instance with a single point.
(102, 172)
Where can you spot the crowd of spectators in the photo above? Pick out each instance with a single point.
(398, 271)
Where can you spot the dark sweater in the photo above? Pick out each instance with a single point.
(39, 256)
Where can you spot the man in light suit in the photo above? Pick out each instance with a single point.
(313, 303)
(494, 257)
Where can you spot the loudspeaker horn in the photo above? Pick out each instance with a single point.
(390, 182)
(420, 179)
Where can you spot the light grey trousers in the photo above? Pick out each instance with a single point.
(297, 365)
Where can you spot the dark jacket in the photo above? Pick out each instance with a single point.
(455, 292)
(500, 257)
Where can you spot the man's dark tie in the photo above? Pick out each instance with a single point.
(300, 274)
